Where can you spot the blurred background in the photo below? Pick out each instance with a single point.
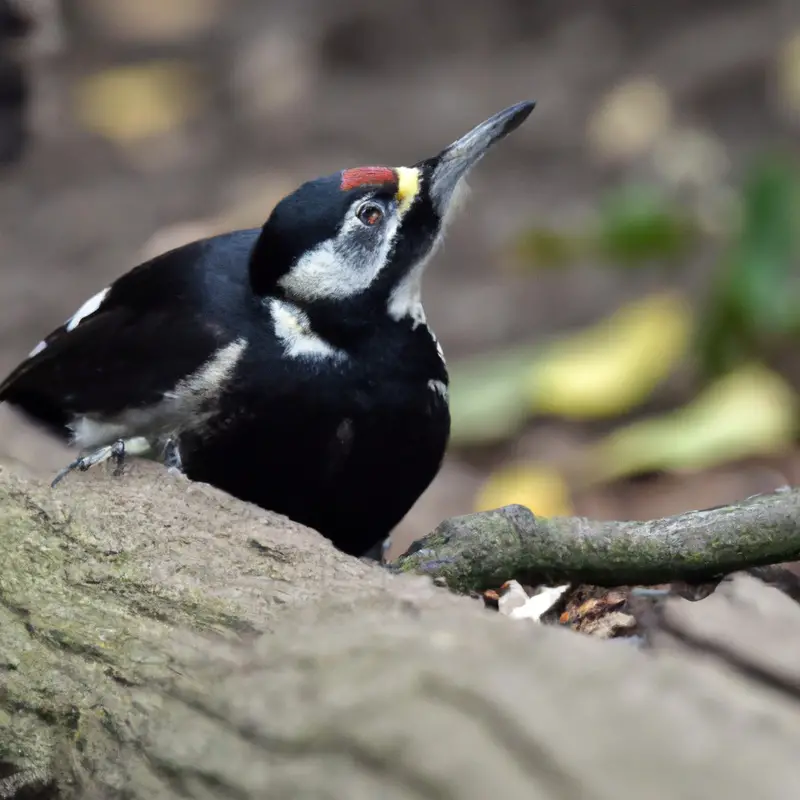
(620, 299)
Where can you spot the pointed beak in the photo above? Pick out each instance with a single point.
(454, 162)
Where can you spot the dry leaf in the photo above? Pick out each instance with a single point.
(515, 603)
(512, 596)
(539, 604)
(598, 612)
(535, 486)
(609, 626)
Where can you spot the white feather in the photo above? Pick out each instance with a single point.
(439, 387)
(293, 329)
(185, 407)
(338, 268)
(405, 301)
(86, 310)
(38, 349)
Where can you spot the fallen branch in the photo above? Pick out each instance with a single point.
(478, 551)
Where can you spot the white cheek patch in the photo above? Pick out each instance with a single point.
(185, 407)
(86, 310)
(293, 329)
(405, 301)
(343, 266)
(335, 271)
(319, 273)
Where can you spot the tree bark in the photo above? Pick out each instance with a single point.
(478, 551)
(160, 640)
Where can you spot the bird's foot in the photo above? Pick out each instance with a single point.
(85, 462)
(172, 457)
(172, 460)
(118, 455)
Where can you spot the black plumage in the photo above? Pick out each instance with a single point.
(289, 365)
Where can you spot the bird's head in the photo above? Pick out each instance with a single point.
(366, 233)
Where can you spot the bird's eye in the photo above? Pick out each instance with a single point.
(370, 213)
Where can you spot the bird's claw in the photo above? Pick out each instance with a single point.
(118, 456)
(172, 457)
(115, 451)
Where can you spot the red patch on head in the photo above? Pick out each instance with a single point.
(366, 176)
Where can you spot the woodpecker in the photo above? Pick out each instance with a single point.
(290, 365)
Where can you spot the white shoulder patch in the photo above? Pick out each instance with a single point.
(87, 309)
(293, 328)
(438, 344)
(405, 300)
(184, 407)
(439, 387)
(340, 267)
(208, 382)
(38, 349)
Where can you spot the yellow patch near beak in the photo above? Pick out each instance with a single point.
(407, 188)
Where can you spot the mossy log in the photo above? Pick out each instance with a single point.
(161, 640)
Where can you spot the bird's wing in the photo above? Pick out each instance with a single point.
(115, 361)
(132, 343)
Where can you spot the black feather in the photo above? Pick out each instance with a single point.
(158, 323)
(320, 394)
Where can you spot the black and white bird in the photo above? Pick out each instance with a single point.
(290, 365)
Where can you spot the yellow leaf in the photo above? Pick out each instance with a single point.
(615, 365)
(537, 487)
(132, 103)
(629, 120)
(788, 77)
(488, 402)
(749, 412)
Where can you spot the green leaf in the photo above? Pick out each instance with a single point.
(764, 260)
(488, 399)
(755, 299)
(639, 224)
(546, 248)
